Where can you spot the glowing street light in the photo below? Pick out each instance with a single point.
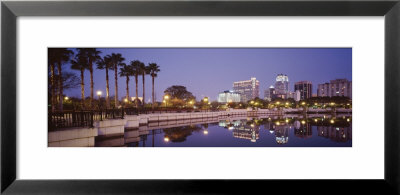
(166, 97)
(205, 132)
(99, 93)
(166, 139)
(66, 98)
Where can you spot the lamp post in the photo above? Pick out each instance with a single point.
(166, 97)
(99, 96)
(205, 100)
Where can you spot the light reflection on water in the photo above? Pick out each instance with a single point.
(288, 131)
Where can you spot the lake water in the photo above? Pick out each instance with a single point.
(287, 131)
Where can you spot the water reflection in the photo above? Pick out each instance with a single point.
(303, 131)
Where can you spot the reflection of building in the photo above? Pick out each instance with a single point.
(228, 96)
(243, 130)
(250, 134)
(302, 130)
(336, 134)
(282, 86)
(269, 94)
(338, 87)
(305, 88)
(248, 90)
(282, 134)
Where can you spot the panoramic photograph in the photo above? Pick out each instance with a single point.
(199, 97)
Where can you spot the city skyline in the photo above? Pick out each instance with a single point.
(218, 68)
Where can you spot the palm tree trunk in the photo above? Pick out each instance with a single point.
(91, 84)
(116, 86)
(144, 99)
(137, 98)
(82, 89)
(152, 92)
(60, 87)
(107, 90)
(127, 88)
(53, 89)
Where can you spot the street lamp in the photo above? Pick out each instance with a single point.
(166, 97)
(99, 95)
(66, 98)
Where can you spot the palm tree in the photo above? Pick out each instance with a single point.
(154, 69)
(144, 70)
(105, 63)
(136, 70)
(80, 63)
(116, 60)
(126, 71)
(52, 61)
(93, 56)
(59, 56)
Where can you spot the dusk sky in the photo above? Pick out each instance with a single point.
(208, 71)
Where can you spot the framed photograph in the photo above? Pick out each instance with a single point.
(199, 96)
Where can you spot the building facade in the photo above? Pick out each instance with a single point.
(295, 95)
(269, 94)
(248, 90)
(338, 87)
(228, 96)
(282, 86)
(305, 88)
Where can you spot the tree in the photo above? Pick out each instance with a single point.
(116, 60)
(180, 92)
(69, 81)
(144, 70)
(80, 63)
(58, 56)
(93, 56)
(51, 62)
(136, 70)
(126, 71)
(105, 63)
(154, 69)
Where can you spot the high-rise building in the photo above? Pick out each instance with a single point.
(269, 94)
(337, 87)
(305, 88)
(295, 95)
(248, 90)
(228, 96)
(282, 86)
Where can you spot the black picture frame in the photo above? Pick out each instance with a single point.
(11, 10)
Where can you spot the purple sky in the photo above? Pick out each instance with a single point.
(208, 71)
